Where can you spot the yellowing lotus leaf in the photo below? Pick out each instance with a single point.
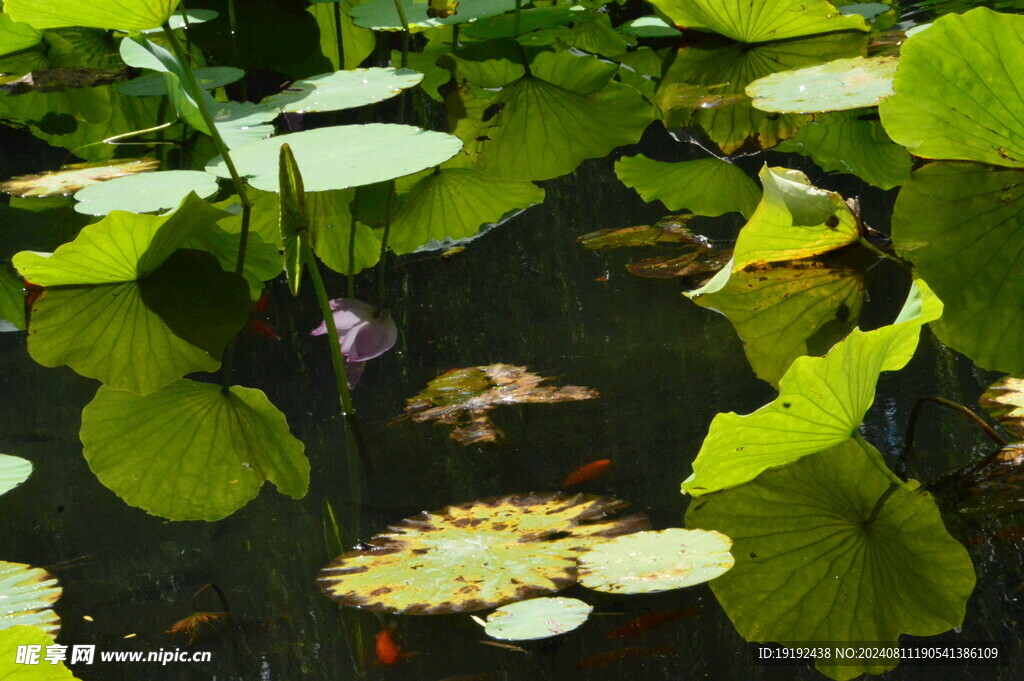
(1004, 400)
(27, 595)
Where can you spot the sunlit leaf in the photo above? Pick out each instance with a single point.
(757, 21)
(10, 641)
(963, 102)
(191, 451)
(537, 618)
(1004, 400)
(15, 36)
(847, 142)
(836, 548)
(821, 402)
(462, 398)
(381, 15)
(343, 90)
(648, 562)
(27, 595)
(71, 178)
(13, 471)
(140, 52)
(834, 86)
(177, 20)
(343, 156)
(240, 123)
(145, 193)
(707, 186)
(962, 225)
(125, 15)
(12, 298)
(476, 555)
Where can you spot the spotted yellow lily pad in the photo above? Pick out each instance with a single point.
(647, 562)
(1004, 400)
(27, 595)
(837, 85)
(71, 178)
(476, 555)
(537, 618)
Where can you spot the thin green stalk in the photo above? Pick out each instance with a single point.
(384, 248)
(352, 257)
(902, 264)
(405, 32)
(337, 33)
(908, 438)
(889, 491)
(519, 7)
(233, 23)
(332, 332)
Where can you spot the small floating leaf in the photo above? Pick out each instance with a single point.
(27, 595)
(146, 193)
(343, 89)
(647, 562)
(191, 451)
(462, 398)
(476, 555)
(125, 15)
(13, 471)
(834, 86)
(706, 186)
(1004, 400)
(537, 618)
(758, 21)
(72, 178)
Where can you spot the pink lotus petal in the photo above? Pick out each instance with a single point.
(353, 372)
(348, 312)
(370, 339)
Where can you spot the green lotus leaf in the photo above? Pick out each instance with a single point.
(191, 451)
(27, 595)
(836, 548)
(648, 562)
(961, 103)
(343, 90)
(537, 618)
(71, 178)
(592, 32)
(794, 220)
(495, 63)
(758, 21)
(195, 16)
(545, 124)
(332, 226)
(845, 142)
(834, 86)
(240, 123)
(868, 10)
(821, 402)
(294, 219)
(342, 156)
(962, 225)
(262, 254)
(15, 36)
(707, 186)
(504, 25)
(10, 670)
(356, 43)
(650, 27)
(720, 74)
(381, 15)
(152, 84)
(12, 298)
(476, 555)
(1004, 401)
(455, 203)
(125, 15)
(425, 62)
(786, 310)
(13, 471)
(140, 52)
(145, 193)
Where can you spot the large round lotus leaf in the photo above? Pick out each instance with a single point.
(13, 471)
(707, 186)
(342, 156)
(758, 21)
(835, 86)
(1004, 400)
(537, 618)
(191, 451)
(647, 562)
(146, 193)
(836, 548)
(476, 555)
(152, 84)
(10, 670)
(71, 178)
(381, 15)
(126, 15)
(343, 89)
(27, 595)
(958, 92)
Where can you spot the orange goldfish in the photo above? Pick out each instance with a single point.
(591, 471)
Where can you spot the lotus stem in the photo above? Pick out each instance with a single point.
(908, 440)
(405, 32)
(890, 490)
(332, 331)
(381, 297)
(899, 262)
(337, 34)
(352, 257)
(519, 7)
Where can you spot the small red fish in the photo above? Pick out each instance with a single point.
(591, 471)
(263, 303)
(637, 627)
(386, 649)
(613, 656)
(261, 327)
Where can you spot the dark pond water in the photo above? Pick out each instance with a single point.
(527, 294)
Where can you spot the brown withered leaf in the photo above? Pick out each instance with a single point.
(61, 78)
(693, 269)
(70, 178)
(668, 230)
(1004, 400)
(993, 486)
(462, 398)
(190, 625)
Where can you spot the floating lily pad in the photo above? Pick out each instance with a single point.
(27, 595)
(343, 89)
(12, 298)
(342, 156)
(690, 269)
(962, 103)
(836, 548)
(851, 142)
(15, 36)
(834, 86)
(669, 230)
(462, 398)
(758, 21)
(241, 123)
(648, 562)
(962, 225)
(476, 555)
(72, 178)
(381, 15)
(191, 451)
(537, 618)
(1004, 400)
(125, 15)
(152, 84)
(706, 186)
(13, 472)
(821, 402)
(10, 641)
(146, 193)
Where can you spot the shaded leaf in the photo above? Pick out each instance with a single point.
(707, 186)
(692, 269)
(834, 86)
(13, 471)
(669, 230)
(12, 298)
(356, 43)
(476, 555)
(27, 595)
(71, 178)
(381, 15)
(1004, 401)
(152, 84)
(537, 618)
(343, 89)
(191, 451)
(146, 193)
(988, 488)
(757, 21)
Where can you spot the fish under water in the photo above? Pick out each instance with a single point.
(591, 471)
(385, 648)
(641, 625)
